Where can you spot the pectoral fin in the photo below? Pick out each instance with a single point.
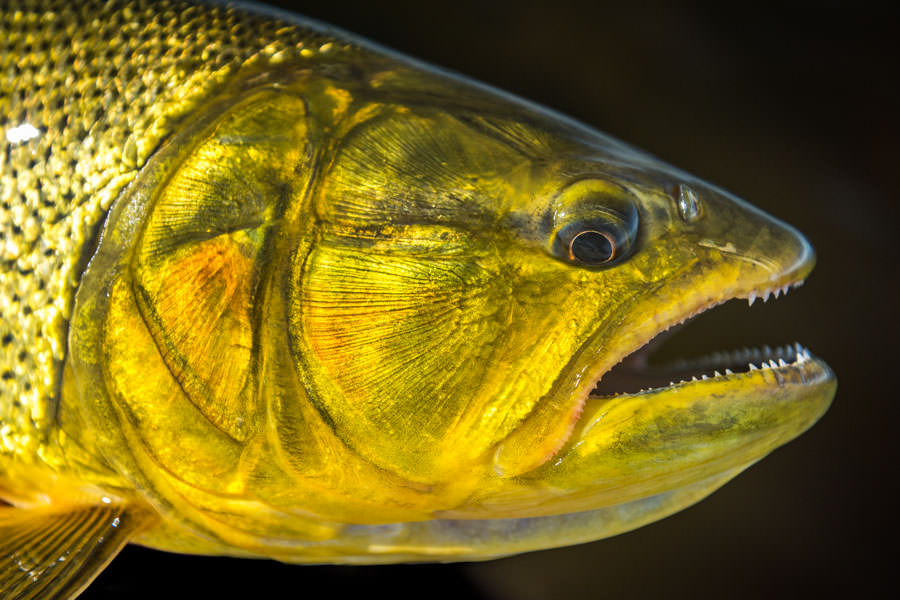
(49, 553)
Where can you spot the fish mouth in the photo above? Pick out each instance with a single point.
(613, 369)
(642, 429)
(637, 373)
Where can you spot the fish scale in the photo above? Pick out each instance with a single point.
(96, 120)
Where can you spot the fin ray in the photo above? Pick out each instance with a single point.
(49, 553)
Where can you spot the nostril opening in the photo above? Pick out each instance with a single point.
(688, 203)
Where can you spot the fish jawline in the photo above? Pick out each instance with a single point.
(634, 365)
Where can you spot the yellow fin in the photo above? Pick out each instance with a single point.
(49, 553)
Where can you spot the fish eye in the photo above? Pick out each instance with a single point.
(592, 247)
(597, 224)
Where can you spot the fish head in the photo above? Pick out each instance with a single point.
(475, 277)
(375, 302)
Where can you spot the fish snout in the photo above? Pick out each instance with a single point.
(771, 254)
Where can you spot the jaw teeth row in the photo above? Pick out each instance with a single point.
(785, 356)
(796, 355)
(789, 353)
(751, 298)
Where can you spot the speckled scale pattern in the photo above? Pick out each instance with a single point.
(88, 90)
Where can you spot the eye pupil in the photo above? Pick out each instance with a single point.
(592, 247)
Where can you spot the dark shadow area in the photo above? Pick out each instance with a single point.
(142, 573)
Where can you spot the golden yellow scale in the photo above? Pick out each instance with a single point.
(271, 292)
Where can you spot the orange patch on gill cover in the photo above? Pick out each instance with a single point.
(201, 303)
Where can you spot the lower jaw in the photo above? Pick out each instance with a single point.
(628, 447)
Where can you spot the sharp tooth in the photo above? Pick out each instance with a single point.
(753, 367)
(704, 377)
(767, 351)
(729, 372)
(777, 292)
(765, 296)
(781, 362)
(751, 298)
(772, 364)
(717, 374)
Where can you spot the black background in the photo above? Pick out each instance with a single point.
(792, 106)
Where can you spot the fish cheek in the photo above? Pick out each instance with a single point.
(399, 308)
(396, 348)
(423, 364)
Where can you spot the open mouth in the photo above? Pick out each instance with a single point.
(650, 428)
(639, 373)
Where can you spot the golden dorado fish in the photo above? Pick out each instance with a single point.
(269, 290)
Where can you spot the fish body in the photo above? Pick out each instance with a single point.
(271, 291)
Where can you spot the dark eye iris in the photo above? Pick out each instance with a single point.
(592, 247)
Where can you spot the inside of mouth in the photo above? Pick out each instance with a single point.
(639, 371)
